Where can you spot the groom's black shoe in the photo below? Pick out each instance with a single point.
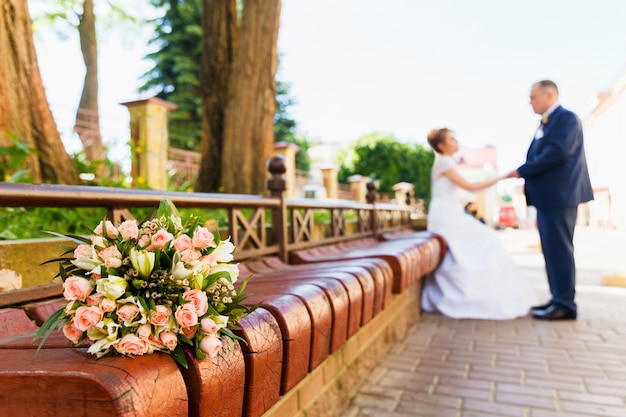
(553, 313)
(541, 307)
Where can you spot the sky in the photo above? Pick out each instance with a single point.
(400, 67)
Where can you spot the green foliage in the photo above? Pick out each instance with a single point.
(62, 15)
(12, 160)
(285, 126)
(383, 158)
(176, 73)
(29, 223)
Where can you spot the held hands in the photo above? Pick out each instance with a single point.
(512, 174)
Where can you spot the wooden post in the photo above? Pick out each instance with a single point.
(277, 184)
(149, 141)
(331, 181)
(288, 151)
(371, 199)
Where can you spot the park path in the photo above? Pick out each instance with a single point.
(524, 367)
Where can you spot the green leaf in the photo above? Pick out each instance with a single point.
(212, 278)
(20, 176)
(199, 353)
(243, 285)
(232, 335)
(185, 339)
(74, 238)
(54, 321)
(179, 356)
(143, 303)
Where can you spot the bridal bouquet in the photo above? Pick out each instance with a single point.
(141, 288)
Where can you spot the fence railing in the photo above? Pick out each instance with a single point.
(258, 226)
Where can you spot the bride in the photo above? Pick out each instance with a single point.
(477, 278)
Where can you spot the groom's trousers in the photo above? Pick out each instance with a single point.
(556, 230)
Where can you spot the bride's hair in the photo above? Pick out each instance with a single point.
(436, 137)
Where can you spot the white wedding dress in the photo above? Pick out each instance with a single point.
(477, 278)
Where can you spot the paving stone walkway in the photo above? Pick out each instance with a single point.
(524, 367)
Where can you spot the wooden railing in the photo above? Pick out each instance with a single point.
(258, 226)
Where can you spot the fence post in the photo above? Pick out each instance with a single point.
(277, 184)
(370, 197)
(149, 141)
(288, 151)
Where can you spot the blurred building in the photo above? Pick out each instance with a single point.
(605, 135)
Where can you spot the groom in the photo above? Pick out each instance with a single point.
(556, 181)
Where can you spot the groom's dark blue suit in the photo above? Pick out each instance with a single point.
(556, 181)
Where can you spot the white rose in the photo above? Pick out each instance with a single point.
(112, 287)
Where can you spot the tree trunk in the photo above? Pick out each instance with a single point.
(249, 118)
(87, 124)
(219, 22)
(24, 110)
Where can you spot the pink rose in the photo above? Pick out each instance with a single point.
(94, 299)
(107, 305)
(82, 251)
(160, 316)
(131, 345)
(203, 239)
(87, 317)
(210, 260)
(182, 242)
(190, 255)
(186, 315)
(110, 252)
(98, 241)
(128, 229)
(211, 346)
(111, 231)
(160, 239)
(144, 240)
(199, 301)
(190, 332)
(72, 333)
(113, 263)
(209, 326)
(169, 339)
(111, 256)
(155, 342)
(144, 331)
(127, 312)
(76, 288)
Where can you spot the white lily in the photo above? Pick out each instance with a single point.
(200, 270)
(180, 272)
(143, 262)
(224, 251)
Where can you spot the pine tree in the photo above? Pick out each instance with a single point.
(176, 73)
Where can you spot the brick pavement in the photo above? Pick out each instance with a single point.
(524, 367)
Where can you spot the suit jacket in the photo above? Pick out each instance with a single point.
(555, 172)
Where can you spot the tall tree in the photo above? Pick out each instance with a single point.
(219, 23)
(80, 16)
(24, 109)
(285, 127)
(249, 115)
(87, 124)
(176, 74)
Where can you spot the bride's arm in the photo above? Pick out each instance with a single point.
(456, 178)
